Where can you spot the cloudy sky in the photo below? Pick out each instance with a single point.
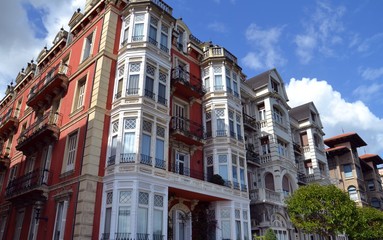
(329, 52)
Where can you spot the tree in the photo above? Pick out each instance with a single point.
(323, 210)
(369, 224)
(270, 235)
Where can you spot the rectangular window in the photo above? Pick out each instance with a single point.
(162, 94)
(218, 83)
(33, 226)
(164, 39)
(79, 99)
(222, 159)
(3, 224)
(133, 78)
(347, 169)
(124, 217)
(71, 151)
(153, 31)
(58, 233)
(149, 81)
(19, 224)
(371, 185)
(160, 146)
(126, 30)
(142, 215)
(145, 149)
(235, 89)
(88, 46)
(138, 29)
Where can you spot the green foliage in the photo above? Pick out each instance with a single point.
(369, 224)
(217, 179)
(270, 235)
(324, 210)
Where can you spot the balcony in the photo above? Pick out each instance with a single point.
(188, 172)
(187, 131)
(249, 122)
(218, 52)
(265, 195)
(53, 84)
(186, 84)
(30, 186)
(45, 130)
(8, 124)
(252, 157)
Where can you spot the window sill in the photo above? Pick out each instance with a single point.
(75, 112)
(66, 174)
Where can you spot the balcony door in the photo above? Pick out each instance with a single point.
(181, 225)
(180, 116)
(182, 164)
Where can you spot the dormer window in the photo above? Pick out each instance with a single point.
(274, 85)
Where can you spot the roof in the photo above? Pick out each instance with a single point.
(365, 166)
(371, 158)
(337, 150)
(353, 138)
(301, 112)
(260, 80)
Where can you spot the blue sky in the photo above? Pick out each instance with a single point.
(329, 52)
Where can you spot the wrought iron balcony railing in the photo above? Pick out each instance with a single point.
(27, 182)
(43, 82)
(189, 80)
(41, 123)
(188, 127)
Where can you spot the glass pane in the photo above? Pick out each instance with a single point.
(123, 224)
(146, 139)
(160, 149)
(157, 222)
(142, 220)
(129, 142)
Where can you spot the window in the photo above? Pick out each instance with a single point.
(120, 75)
(126, 28)
(181, 39)
(282, 148)
(309, 167)
(206, 78)
(231, 123)
(128, 150)
(269, 181)
(142, 215)
(79, 99)
(371, 185)
(304, 139)
(71, 151)
(33, 226)
(162, 88)
(88, 47)
(274, 85)
(146, 143)
(123, 217)
(352, 193)
(222, 160)
(182, 164)
(164, 39)
(358, 172)
(160, 146)
(347, 169)
(228, 81)
(218, 86)
(265, 147)
(375, 202)
(158, 217)
(13, 173)
(153, 31)
(239, 129)
(18, 108)
(19, 224)
(210, 167)
(242, 173)
(208, 124)
(58, 233)
(221, 129)
(138, 29)
(235, 85)
(149, 82)
(133, 78)
(277, 115)
(261, 111)
(108, 215)
(235, 171)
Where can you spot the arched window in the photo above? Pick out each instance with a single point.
(269, 181)
(352, 193)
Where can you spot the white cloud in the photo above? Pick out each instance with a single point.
(322, 31)
(371, 73)
(266, 52)
(217, 27)
(368, 92)
(21, 45)
(371, 44)
(336, 113)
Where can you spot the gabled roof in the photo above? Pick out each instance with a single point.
(301, 112)
(337, 150)
(376, 159)
(353, 138)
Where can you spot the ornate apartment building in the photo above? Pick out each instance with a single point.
(357, 175)
(130, 127)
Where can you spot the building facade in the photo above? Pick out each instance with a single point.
(357, 175)
(130, 127)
